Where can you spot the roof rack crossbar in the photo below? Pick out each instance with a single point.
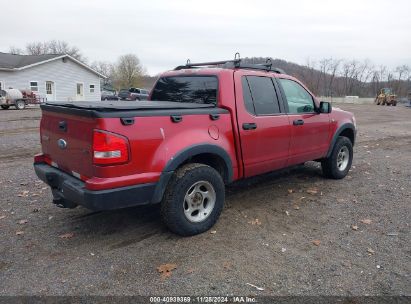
(236, 63)
(261, 66)
(211, 63)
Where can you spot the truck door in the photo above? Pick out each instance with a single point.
(309, 129)
(263, 125)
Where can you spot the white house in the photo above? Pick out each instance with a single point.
(55, 77)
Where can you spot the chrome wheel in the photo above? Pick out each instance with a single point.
(199, 201)
(343, 158)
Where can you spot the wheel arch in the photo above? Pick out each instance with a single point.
(346, 130)
(208, 154)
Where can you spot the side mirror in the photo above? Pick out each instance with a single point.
(325, 107)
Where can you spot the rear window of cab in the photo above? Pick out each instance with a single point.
(190, 89)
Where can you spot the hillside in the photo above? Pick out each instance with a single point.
(336, 77)
(332, 77)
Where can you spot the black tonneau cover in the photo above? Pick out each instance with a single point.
(122, 105)
(130, 108)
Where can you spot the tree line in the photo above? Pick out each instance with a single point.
(325, 77)
(339, 77)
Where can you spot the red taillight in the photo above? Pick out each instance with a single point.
(42, 158)
(109, 149)
(39, 158)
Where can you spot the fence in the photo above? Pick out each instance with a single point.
(349, 99)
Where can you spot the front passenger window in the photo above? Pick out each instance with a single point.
(298, 99)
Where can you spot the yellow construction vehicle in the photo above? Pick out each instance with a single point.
(386, 97)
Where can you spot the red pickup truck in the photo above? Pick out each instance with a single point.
(206, 125)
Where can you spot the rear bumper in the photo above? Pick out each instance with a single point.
(69, 191)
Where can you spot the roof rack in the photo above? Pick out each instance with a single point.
(233, 64)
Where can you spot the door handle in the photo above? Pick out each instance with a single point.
(214, 116)
(249, 126)
(63, 126)
(298, 122)
(176, 118)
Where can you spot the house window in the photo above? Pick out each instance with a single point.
(2, 87)
(34, 86)
(91, 88)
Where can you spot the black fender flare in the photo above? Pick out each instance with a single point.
(337, 133)
(183, 156)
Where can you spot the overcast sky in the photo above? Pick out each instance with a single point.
(163, 34)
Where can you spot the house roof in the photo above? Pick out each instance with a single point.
(14, 62)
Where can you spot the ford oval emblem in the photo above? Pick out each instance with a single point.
(62, 143)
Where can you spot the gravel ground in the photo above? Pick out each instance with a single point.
(326, 237)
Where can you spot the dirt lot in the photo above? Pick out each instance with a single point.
(265, 235)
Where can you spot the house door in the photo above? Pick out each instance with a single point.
(80, 92)
(50, 93)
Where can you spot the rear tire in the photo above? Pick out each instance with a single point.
(5, 107)
(20, 105)
(339, 163)
(193, 200)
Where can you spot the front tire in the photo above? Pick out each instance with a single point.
(338, 164)
(193, 200)
(20, 105)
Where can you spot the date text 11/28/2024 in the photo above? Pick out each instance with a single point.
(203, 299)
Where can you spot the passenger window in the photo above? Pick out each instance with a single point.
(263, 95)
(248, 101)
(298, 99)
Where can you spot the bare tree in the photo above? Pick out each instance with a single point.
(322, 80)
(382, 71)
(403, 74)
(128, 71)
(375, 80)
(310, 76)
(36, 48)
(350, 72)
(62, 47)
(333, 69)
(16, 51)
(106, 68)
(49, 47)
(328, 70)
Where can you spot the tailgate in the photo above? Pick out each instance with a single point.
(67, 140)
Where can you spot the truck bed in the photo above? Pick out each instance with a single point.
(152, 129)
